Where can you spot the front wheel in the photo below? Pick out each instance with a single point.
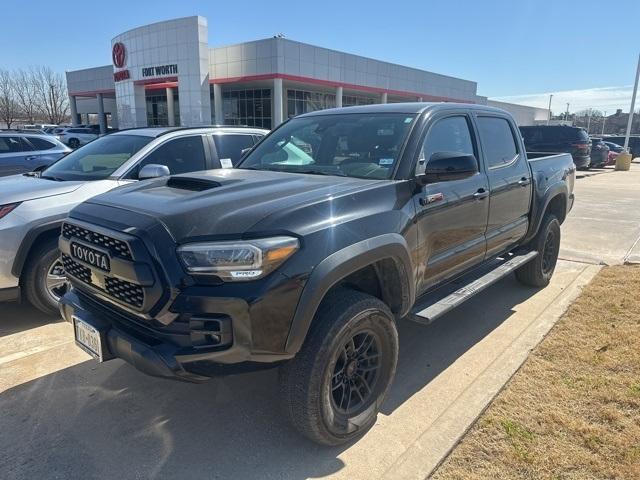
(538, 272)
(44, 279)
(74, 143)
(333, 389)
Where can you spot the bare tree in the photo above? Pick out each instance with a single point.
(51, 95)
(8, 106)
(26, 93)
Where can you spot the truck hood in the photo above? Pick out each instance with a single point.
(227, 201)
(20, 188)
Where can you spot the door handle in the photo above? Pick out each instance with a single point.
(524, 182)
(481, 194)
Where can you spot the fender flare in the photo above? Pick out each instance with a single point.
(29, 240)
(338, 266)
(538, 213)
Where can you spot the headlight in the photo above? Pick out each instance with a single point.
(238, 261)
(5, 209)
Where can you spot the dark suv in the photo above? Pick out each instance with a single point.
(559, 139)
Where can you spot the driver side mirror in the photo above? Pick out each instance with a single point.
(153, 170)
(446, 166)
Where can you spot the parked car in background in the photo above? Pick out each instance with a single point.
(32, 207)
(634, 143)
(558, 139)
(614, 151)
(20, 152)
(614, 147)
(76, 136)
(599, 153)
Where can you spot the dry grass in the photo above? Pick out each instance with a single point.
(573, 410)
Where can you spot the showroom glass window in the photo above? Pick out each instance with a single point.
(246, 107)
(301, 101)
(157, 111)
(450, 134)
(498, 143)
(353, 100)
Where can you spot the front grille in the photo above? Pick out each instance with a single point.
(124, 291)
(76, 270)
(116, 247)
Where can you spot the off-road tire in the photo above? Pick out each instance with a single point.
(538, 272)
(308, 381)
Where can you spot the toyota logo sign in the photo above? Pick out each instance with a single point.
(118, 54)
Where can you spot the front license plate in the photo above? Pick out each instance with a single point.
(88, 338)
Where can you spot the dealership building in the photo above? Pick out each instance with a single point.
(167, 74)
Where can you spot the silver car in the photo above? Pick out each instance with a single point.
(25, 152)
(33, 206)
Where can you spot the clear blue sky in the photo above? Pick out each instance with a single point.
(510, 47)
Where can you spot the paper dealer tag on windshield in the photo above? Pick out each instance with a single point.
(226, 163)
(385, 161)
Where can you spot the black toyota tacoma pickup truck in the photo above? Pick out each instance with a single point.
(334, 227)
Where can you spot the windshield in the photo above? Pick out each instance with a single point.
(97, 160)
(361, 145)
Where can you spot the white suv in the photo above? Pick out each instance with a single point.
(33, 206)
(75, 136)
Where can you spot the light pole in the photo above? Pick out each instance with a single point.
(549, 115)
(566, 115)
(604, 120)
(588, 121)
(633, 105)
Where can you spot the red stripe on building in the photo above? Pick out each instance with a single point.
(157, 86)
(156, 80)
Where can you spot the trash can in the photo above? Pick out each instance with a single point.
(623, 161)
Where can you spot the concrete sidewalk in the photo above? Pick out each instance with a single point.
(67, 417)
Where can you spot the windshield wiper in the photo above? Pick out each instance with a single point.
(51, 177)
(321, 172)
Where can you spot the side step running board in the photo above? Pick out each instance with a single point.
(449, 296)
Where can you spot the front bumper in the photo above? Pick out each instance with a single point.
(155, 353)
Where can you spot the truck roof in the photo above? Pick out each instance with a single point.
(408, 107)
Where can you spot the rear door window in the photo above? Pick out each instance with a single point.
(230, 146)
(40, 143)
(498, 143)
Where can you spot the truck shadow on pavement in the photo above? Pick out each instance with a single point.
(110, 421)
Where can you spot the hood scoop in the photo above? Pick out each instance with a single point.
(193, 184)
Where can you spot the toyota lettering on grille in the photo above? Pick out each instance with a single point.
(91, 256)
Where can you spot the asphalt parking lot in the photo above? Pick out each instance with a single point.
(65, 416)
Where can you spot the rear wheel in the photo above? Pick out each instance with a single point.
(538, 272)
(74, 143)
(44, 280)
(333, 389)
